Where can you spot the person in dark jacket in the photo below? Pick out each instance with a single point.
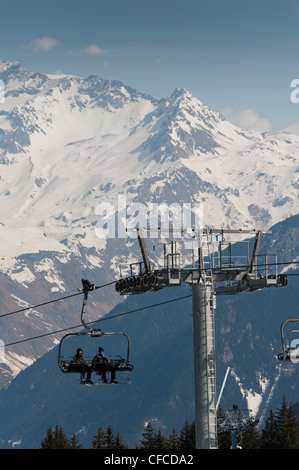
(101, 365)
(79, 362)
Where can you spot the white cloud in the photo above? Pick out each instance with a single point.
(43, 44)
(94, 49)
(293, 129)
(247, 119)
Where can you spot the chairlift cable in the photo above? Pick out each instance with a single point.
(96, 321)
(102, 319)
(52, 301)
(39, 305)
(113, 282)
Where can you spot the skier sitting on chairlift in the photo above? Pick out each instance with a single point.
(101, 365)
(80, 362)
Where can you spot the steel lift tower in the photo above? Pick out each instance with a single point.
(211, 270)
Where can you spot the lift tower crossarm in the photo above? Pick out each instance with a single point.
(144, 252)
(255, 250)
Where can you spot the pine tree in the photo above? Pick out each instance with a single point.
(118, 443)
(187, 436)
(287, 426)
(281, 430)
(224, 438)
(61, 440)
(74, 442)
(56, 439)
(269, 433)
(99, 441)
(148, 440)
(250, 439)
(109, 438)
(160, 441)
(173, 440)
(48, 441)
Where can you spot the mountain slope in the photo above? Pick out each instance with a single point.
(68, 144)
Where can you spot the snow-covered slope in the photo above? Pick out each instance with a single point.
(68, 144)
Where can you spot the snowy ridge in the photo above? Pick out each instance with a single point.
(68, 144)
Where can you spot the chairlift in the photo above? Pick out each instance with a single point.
(290, 350)
(65, 362)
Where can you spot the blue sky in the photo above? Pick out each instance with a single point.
(238, 57)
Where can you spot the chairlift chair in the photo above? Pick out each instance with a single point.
(119, 363)
(290, 352)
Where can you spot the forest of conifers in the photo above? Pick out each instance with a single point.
(281, 431)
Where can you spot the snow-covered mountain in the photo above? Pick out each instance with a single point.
(68, 144)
